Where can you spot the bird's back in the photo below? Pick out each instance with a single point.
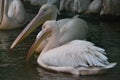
(76, 28)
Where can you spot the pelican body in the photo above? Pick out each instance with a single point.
(12, 14)
(77, 57)
(78, 27)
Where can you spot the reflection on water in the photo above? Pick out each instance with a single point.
(14, 67)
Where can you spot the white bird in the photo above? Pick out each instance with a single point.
(12, 14)
(72, 28)
(75, 28)
(77, 57)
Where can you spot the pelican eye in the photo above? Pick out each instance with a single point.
(45, 9)
(43, 27)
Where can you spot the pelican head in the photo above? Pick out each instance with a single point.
(46, 12)
(49, 27)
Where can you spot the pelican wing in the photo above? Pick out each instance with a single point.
(76, 53)
(76, 28)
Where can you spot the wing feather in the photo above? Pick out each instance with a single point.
(75, 53)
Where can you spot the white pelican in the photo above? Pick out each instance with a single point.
(77, 57)
(78, 27)
(12, 14)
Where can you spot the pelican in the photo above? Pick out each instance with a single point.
(78, 27)
(12, 14)
(77, 57)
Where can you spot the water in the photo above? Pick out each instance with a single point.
(14, 67)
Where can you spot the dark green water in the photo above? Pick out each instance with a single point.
(14, 67)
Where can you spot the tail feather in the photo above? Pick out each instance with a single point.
(111, 65)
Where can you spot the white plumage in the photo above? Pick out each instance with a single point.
(77, 57)
(12, 14)
(76, 53)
